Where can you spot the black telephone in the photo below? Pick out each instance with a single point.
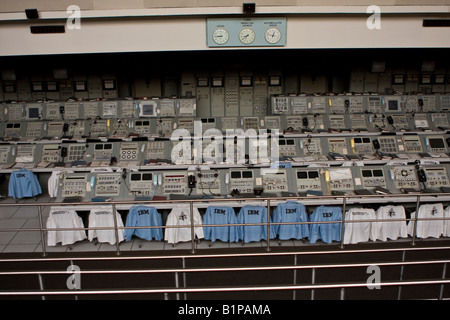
(65, 127)
(421, 175)
(376, 144)
(420, 101)
(64, 152)
(305, 122)
(192, 181)
(390, 120)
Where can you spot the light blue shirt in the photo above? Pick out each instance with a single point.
(327, 232)
(253, 214)
(290, 211)
(23, 183)
(143, 216)
(220, 215)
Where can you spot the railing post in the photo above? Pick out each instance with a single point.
(41, 285)
(41, 226)
(183, 262)
(295, 277)
(116, 231)
(177, 285)
(344, 205)
(415, 221)
(441, 291)
(401, 275)
(342, 297)
(268, 225)
(191, 209)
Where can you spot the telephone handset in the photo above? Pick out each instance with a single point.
(376, 144)
(421, 175)
(390, 120)
(65, 127)
(305, 122)
(420, 101)
(64, 152)
(192, 181)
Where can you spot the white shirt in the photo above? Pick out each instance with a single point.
(64, 218)
(360, 231)
(102, 217)
(180, 216)
(447, 222)
(428, 228)
(391, 229)
(53, 184)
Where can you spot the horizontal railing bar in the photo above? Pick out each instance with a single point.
(232, 269)
(222, 255)
(221, 225)
(171, 201)
(221, 289)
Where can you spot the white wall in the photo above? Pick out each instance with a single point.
(51, 5)
(189, 33)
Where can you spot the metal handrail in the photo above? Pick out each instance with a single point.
(222, 289)
(221, 255)
(116, 228)
(232, 269)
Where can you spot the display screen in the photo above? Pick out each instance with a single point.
(247, 174)
(147, 176)
(147, 109)
(367, 173)
(313, 174)
(235, 174)
(135, 177)
(436, 143)
(302, 175)
(33, 113)
(393, 105)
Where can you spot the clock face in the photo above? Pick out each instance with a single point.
(247, 36)
(220, 36)
(273, 35)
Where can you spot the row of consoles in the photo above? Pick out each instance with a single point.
(203, 182)
(302, 150)
(160, 117)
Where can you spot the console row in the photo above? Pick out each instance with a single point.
(226, 151)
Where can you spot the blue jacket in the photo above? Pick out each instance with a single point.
(143, 216)
(327, 232)
(220, 215)
(290, 211)
(23, 183)
(253, 214)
